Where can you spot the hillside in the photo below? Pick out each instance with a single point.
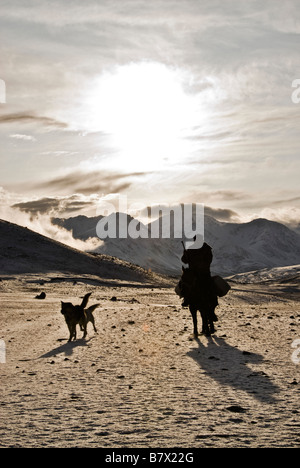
(283, 275)
(24, 251)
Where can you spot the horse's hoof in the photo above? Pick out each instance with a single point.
(194, 336)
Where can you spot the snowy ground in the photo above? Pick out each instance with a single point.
(143, 381)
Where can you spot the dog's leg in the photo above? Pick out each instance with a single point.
(83, 325)
(90, 317)
(92, 320)
(72, 331)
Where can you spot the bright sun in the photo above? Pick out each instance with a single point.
(145, 112)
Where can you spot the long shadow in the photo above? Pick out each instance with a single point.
(228, 366)
(66, 348)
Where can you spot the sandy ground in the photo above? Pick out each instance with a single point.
(143, 381)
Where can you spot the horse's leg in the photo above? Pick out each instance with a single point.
(212, 326)
(193, 311)
(203, 322)
(211, 317)
(205, 327)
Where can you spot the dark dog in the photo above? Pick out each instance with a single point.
(78, 315)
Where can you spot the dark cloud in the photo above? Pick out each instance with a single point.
(24, 117)
(220, 214)
(91, 183)
(54, 205)
(42, 206)
(74, 206)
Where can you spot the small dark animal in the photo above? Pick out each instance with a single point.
(41, 296)
(78, 315)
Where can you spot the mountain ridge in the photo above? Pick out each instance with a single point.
(237, 247)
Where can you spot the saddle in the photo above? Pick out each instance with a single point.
(221, 287)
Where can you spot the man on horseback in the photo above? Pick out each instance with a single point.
(199, 261)
(199, 289)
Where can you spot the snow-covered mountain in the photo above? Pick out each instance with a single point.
(237, 248)
(289, 274)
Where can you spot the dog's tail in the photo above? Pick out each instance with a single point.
(92, 308)
(85, 300)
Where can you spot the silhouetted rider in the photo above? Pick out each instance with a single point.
(199, 261)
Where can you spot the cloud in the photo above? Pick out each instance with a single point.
(57, 206)
(222, 214)
(24, 117)
(218, 196)
(88, 183)
(37, 214)
(43, 225)
(42, 206)
(295, 200)
(136, 12)
(19, 136)
(241, 57)
(75, 192)
(288, 215)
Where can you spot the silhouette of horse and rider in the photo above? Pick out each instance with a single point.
(199, 289)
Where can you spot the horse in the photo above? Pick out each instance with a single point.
(199, 293)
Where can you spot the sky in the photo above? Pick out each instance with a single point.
(163, 102)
